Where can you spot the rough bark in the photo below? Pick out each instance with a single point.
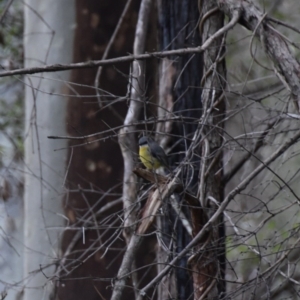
(179, 95)
(214, 84)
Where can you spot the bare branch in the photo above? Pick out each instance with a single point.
(107, 49)
(128, 146)
(274, 44)
(259, 143)
(214, 218)
(9, 3)
(122, 59)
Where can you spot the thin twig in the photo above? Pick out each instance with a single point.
(259, 143)
(122, 59)
(206, 228)
(284, 24)
(107, 49)
(9, 3)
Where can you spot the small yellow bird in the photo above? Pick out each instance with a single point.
(151, 154)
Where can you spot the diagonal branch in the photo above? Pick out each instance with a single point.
(258, 144)
(286, 65)
(222, 207)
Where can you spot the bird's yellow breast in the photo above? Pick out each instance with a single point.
(147, 159)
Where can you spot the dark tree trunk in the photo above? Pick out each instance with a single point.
(181, 85)
(214, 84)
(181, 93)
(96, 169)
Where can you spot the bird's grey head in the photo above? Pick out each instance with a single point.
(143, 141)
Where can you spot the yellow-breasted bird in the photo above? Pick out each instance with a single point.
(151, 154)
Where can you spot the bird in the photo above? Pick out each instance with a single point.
(151, 154)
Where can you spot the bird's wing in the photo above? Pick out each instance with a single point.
(159, 153)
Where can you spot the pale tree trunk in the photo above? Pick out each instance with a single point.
(45, 115)
(11, 224)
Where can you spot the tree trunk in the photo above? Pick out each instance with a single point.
(179, 93)
(48, 39)
(96, 167)
(210, 189)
